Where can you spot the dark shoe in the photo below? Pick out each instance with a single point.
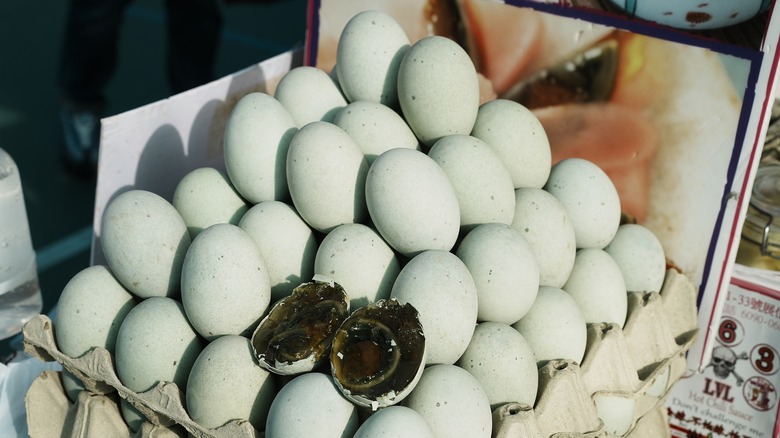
(82, 141)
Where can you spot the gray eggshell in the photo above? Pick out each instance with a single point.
(554, 327)
(310, 95)
(640, 256)
(311, 405)
(597, 285)
(453, 402)
(156, 343)
(226, 383)
(225, 288)
(438, 89)
(590, 199)
(204, 197)
(356, 257)
(518, 137)
(368, 54)
(412, 202)
(286, 243)
(546, 226)
(504, 364)
(326, 173)
(505, 271)
(395, 422)
(144, 240)
(375, 128)
(441, 288)
(90, 311)
(481, 180)
(257, 136)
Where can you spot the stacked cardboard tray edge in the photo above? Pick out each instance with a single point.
(630, 368)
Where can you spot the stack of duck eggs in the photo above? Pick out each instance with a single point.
(381, 202)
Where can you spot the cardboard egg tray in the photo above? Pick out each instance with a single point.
(619, 389)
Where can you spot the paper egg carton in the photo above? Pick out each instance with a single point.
(619, 389)
(97, 412)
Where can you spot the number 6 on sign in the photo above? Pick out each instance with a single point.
(730, 332)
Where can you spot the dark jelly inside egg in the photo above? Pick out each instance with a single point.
(378, 353)
(298, 330)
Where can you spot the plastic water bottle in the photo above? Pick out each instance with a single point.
(20, 294)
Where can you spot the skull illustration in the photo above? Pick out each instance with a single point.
(723, 362)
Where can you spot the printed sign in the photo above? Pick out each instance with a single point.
(736, 395)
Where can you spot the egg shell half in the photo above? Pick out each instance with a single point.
(309, 94)
(545, 224)
(226, 383)
(326, 173)
(481, 181)
(438, 89)
(441, 288)
(225, 284)
(589, 197)
(505, 271)
(452, 402)
(504, 364)
(368, 53)
(412, 202)
(597, 285)
(640, 256)
(554, 327)
(286, 242)
(156, 343)
(518, 138)
(257, 136)
(356, 257)
(375, 128)
(144, 241)
(204, 197)
(310, 405)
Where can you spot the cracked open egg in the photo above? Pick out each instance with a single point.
(296, 334)
(378, 354)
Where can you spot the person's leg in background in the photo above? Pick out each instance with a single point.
(194, 34)
(89, 58)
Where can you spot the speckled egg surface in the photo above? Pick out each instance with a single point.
(257, 136)
(144, 241)
(224, 274)
(438, 89)
(412, 202)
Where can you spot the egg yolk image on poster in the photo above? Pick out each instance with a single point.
(659, 117)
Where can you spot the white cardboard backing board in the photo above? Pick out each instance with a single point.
(706, 95)
(152, 147)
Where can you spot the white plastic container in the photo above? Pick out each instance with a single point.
(20, 294)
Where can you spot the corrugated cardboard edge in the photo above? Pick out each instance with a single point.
(149, 430)
(612, 367)
(91, 415)
(564, 406)
(515, 420)
(98, 415)
(563, 387)
(161, 404)
(46, 399)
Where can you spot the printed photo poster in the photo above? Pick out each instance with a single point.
(674, 118)
(736, 396)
